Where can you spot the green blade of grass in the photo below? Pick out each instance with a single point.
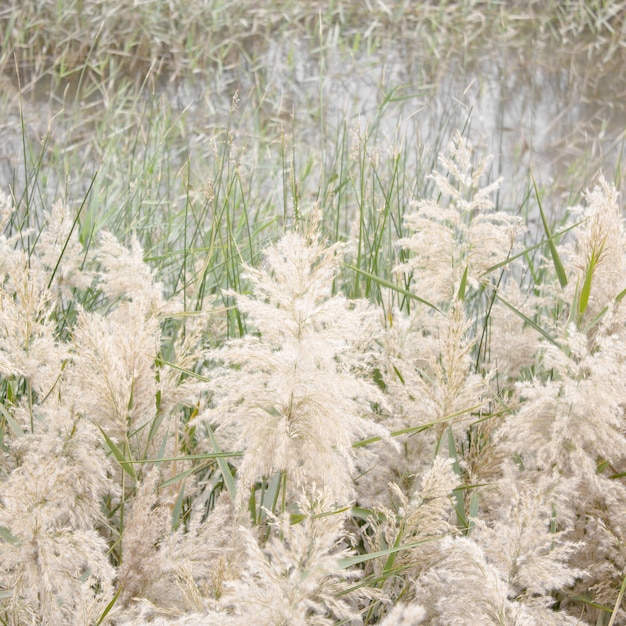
(459, 501)
(585, 292)
(270, 497)
(364, 514)
(69, 235)
(398, 374)
(532, 248)
(538, 328)
(120, 457)
(181, 476)
(5, 535)
(191, 457)
(583, 300)
(386, 283)
(252, 507)
(13, 425)
(556, 259)
(160, 362)
(618, 602)
(391, 559)
(473, 510)
(588, 602)
(596, 320)
(110, 605)
(227, 475)
(415, 429)
(363, 558)
(618, 298)
(461, 294)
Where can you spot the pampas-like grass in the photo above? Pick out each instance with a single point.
(61, 255)
(568, 430)
(419, 521)
(465, 588)
(149, 479)
(296, 577)
(293, 393)
(457, 234)
(55, 562)
(597, 257)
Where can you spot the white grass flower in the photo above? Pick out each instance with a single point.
(508, 329)
(458, 233)
(599, 254)
(523, 542)
(177, 577)
(56, 564)
(28, 342)
(296, 578)
(112, 374)
(429, 372)
(182, 353)
(404, 615)
(208, 555)
(425, 517)
(465, 589)
(293, 396)
(569, 432)
(147, 616)
(117, 375)
(146, 524)
(561, 424)
(125, 274)
(28, 345)
(60, 252)
(426, 514)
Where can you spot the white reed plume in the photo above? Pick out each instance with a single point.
(293, 394)
(55, 564)
(458, 234)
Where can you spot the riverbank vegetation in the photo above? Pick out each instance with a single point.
(281, 342)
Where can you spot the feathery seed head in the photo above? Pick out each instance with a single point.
(294, 396)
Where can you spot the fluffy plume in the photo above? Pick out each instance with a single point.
(61, 254)
(465, 588)
(523, 542)
(459, 234)
(561, 426)
(28, 346)
(404, 615)
(53, 561)
(599, 254)
(114, 360)
(125, 275)
(566, 437)
(429, 373)
(297, 578)
(293, 395)
(419, 522)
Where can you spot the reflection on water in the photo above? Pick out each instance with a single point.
(558, 114)
(561, 116)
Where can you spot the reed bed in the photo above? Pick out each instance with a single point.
(184, 37)
(278, 366)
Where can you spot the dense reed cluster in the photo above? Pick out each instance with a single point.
(183, 37)
(456, 457)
